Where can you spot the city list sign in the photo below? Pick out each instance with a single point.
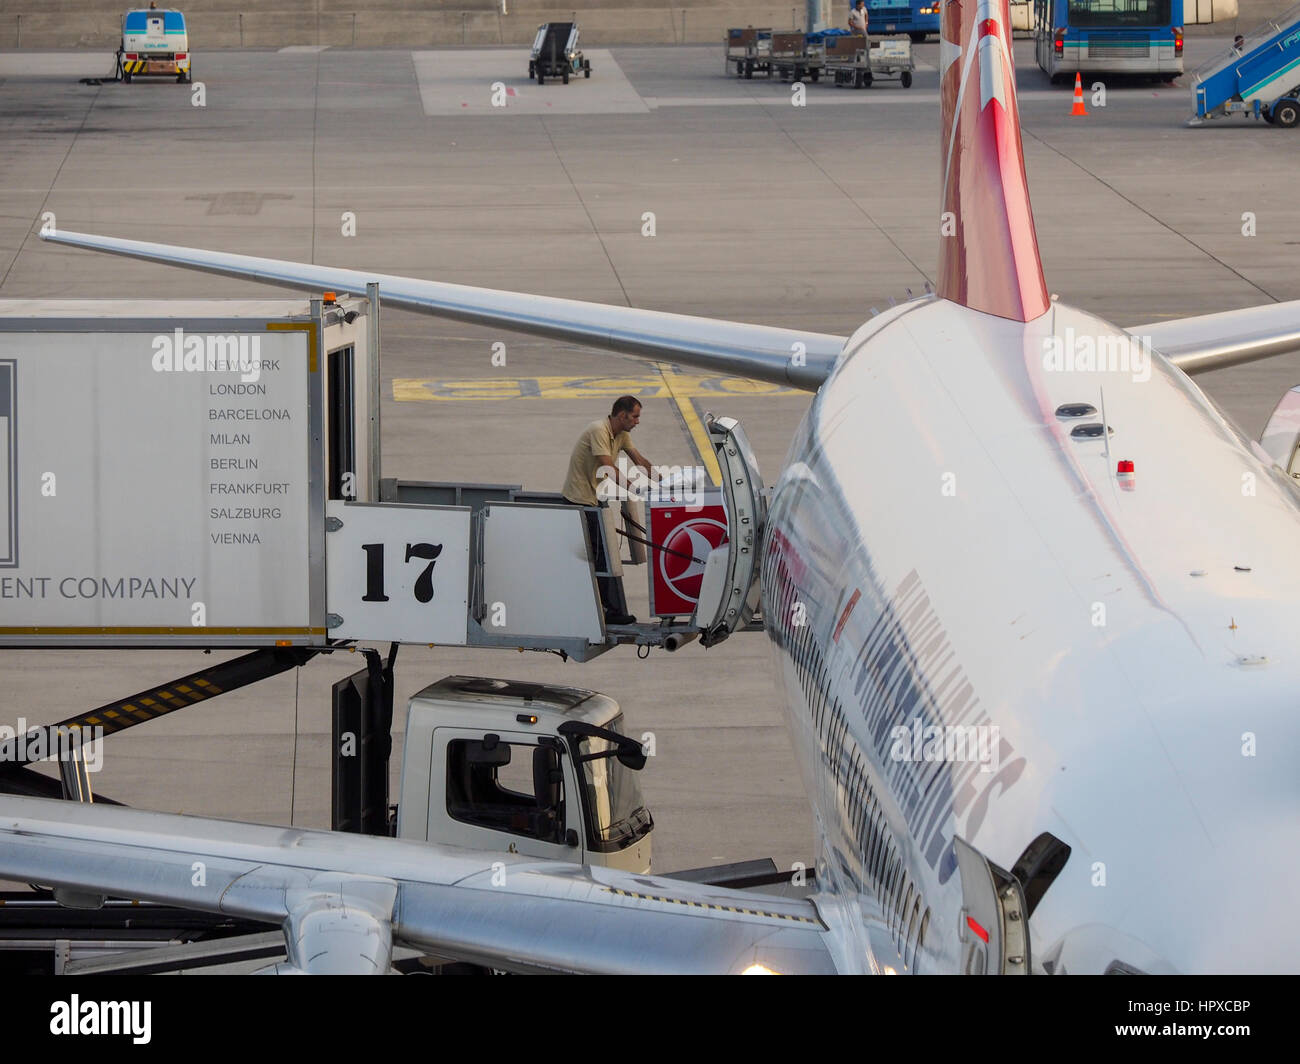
(156, 486)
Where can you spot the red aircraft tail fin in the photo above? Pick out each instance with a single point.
(988, 251)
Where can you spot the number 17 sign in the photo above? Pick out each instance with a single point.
(397, 573)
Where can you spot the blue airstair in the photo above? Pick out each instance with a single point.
(1259, 76)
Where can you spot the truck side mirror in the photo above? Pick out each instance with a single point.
(626, 749)
(571, 838)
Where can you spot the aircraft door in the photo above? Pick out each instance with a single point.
(729, 592)
(994, 921)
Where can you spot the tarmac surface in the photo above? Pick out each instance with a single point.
(803, 216)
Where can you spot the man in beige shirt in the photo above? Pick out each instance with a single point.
(595, 459)
(858, 18)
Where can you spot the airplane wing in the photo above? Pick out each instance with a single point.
(782, 356)
(1216, 341)
(345, 900)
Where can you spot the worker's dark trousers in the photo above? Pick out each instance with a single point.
(611, 587)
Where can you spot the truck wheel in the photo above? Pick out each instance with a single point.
(565, 76)
(532, 72)
(541, 78)
(126, 78)
(866, 79)
(814, 74)
(749, 69)
(1286, 113)
(586, 72)
(1266, 115)
(906, 78)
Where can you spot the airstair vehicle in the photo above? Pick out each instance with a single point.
(1259, 76)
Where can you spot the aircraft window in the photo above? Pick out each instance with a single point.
(512, 787)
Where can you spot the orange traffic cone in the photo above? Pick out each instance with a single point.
(1078, 108)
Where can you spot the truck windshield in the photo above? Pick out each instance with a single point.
(618, 815)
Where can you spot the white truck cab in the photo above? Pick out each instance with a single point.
(524, 768)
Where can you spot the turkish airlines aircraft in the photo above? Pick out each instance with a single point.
(1034, 618)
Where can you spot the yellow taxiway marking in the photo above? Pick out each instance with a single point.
(650, 385)
(691, 419)
(667, 383)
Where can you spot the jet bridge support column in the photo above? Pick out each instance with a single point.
(363, 743)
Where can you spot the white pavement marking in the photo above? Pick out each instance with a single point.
(290, 49)
(460, 83)
(57, 64)
(847, 96)
(885, 93)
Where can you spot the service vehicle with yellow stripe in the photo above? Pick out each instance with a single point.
(155, 43)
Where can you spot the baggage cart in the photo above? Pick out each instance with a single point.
(747, 49)
(795, 58)
(854, 62)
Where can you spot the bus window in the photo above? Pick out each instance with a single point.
(1119, 12)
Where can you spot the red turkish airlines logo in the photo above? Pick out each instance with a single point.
(695, 539)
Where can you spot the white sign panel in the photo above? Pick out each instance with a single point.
(155, 484)
(398, 573)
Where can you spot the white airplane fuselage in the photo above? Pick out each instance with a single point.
(942, 552)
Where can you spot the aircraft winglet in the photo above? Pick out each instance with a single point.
(988, 250)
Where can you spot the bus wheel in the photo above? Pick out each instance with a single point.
(906, 78)
(1286, 113)
(918, 38)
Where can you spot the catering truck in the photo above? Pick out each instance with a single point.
(519, 768)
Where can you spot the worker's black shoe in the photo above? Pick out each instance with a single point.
(614, 617)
